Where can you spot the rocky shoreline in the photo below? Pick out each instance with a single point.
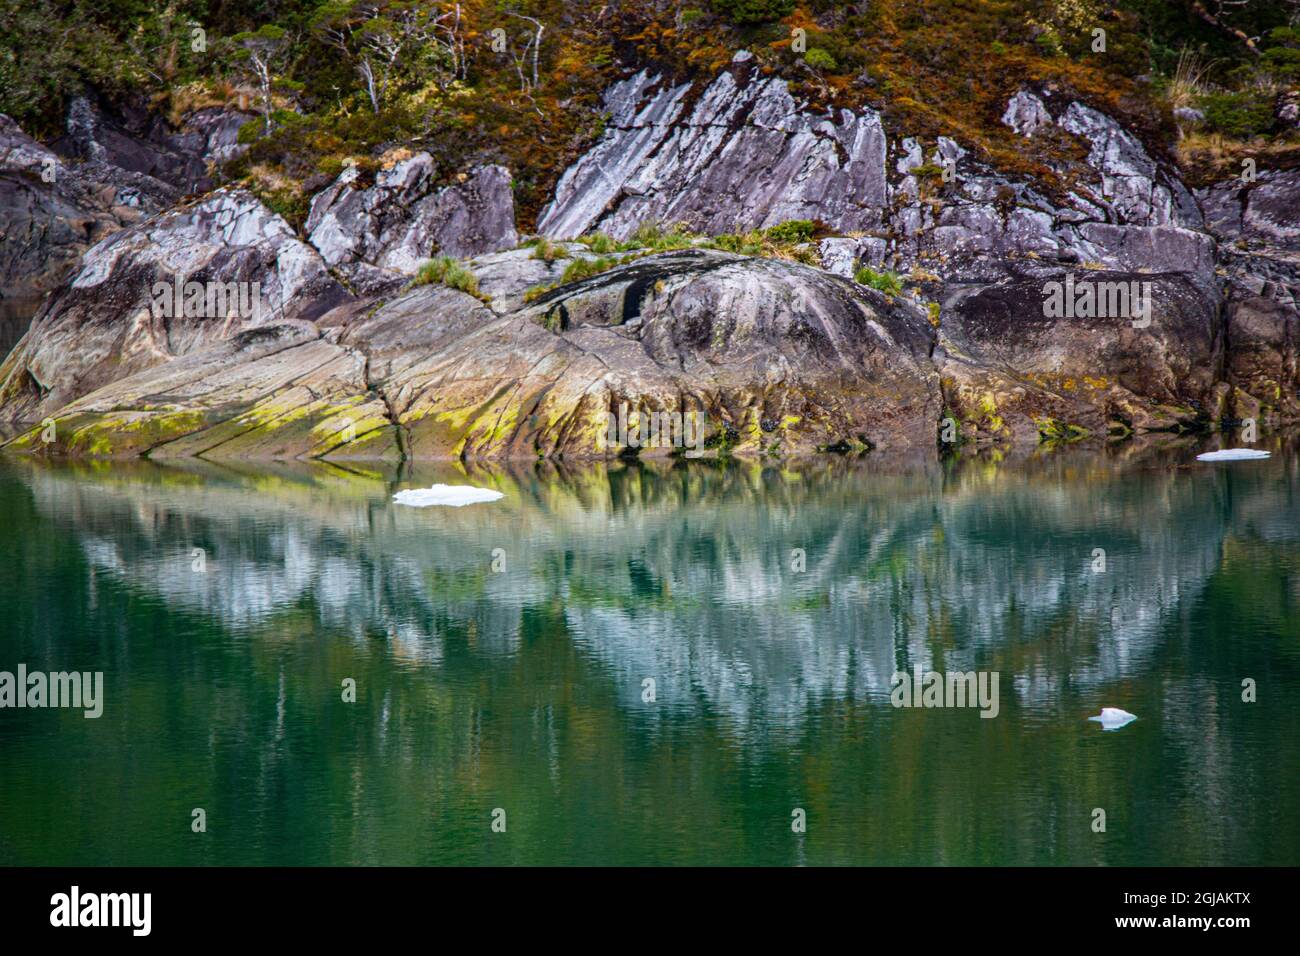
(353, 358)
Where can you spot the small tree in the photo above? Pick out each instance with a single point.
(532, 49)
(259, 54)
(379, 36)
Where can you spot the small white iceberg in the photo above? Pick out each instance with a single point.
(1112, 718)
(455, 496)
(1233, 454)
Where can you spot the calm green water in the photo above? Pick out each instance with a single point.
(523, 689)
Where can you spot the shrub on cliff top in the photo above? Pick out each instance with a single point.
(602, 243)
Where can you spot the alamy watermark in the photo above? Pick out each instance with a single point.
(207, 300)
(637, 429)
(954, 689)
(1090, 299)
(55, 689)
(76, 908)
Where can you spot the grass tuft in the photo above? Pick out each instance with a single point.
(890, 283)
(444, 270)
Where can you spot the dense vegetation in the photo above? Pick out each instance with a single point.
(518, 81)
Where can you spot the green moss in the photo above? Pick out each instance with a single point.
(789, 240)
(332, 427)
(1050, 431)
(722, 440)
(116, 434)
(272, 413)
(455, 427)
(29, 440)
(792, 230)
(752, 433)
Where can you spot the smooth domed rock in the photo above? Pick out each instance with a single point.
(740, 340)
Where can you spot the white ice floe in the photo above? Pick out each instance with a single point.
(455, 496)
(1112, 718)
(1233, 454)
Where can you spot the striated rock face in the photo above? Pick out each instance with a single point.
(346, 360)
(1134, 188)
(52, 210)
(103, 326)
(99, 177)
(741, 156)
(740, 153)
(1262, 213)
(275, 391)
(744, 155)
(403, 219)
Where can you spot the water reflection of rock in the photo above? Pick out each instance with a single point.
(684, 575)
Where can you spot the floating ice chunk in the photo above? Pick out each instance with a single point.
(1233, 454)
(455, 496)
(1112, 718)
